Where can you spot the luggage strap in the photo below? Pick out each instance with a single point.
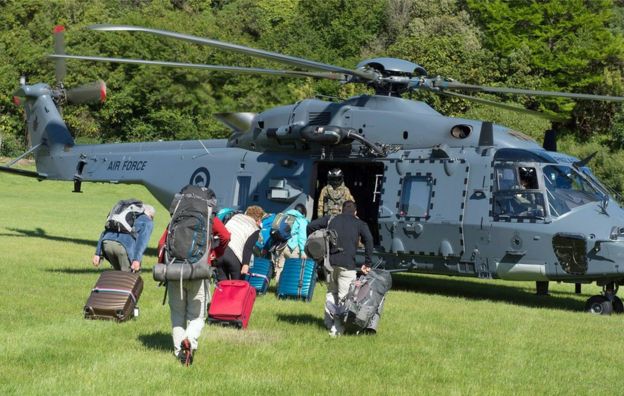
(301, 274)
(116, 291)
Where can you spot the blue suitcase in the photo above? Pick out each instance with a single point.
(298, 279)
(260, 274)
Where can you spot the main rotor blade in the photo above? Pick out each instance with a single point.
(504, 106)
(442, 84)
(247, 70)
(59, 48)
(286, 59)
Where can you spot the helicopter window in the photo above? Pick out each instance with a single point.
(460, 131)
(519, 203)
(567, 189)
(242, 191)
(521, 178)
(512, 198)
(415, 196)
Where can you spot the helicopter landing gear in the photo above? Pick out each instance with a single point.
(607, 302)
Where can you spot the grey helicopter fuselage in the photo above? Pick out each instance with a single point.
(442, 195)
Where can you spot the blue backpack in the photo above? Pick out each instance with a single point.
(265, 241)
(226, 214)
(281, 227)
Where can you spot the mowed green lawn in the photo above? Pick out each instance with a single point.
(439, 335)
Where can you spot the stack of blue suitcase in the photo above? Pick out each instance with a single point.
(298, 279)
(259, 274)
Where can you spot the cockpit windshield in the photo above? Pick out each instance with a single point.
(567, 189)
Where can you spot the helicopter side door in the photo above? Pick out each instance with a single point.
(422, 207)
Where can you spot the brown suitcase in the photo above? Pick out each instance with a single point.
(114, 296)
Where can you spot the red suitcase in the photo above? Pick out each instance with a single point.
(232, 303)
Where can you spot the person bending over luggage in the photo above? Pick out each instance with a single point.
(296, 243)
(342, 259)
(244, 230)
(125, 250)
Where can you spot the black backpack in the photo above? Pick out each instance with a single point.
(122, 215)
(189, 235)
(320, 244)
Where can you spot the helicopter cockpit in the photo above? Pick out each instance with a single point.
(566, 189)
(517, 192)
(535, 190)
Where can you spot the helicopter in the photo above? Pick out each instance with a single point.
(441, 195)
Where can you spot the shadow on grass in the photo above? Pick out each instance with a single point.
(41, 233)
(302, 319)
(158, 341)
(482, 291)
(89, 270)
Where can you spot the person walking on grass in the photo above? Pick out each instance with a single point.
(350, 230)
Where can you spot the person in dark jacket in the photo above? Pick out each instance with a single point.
(350, 231)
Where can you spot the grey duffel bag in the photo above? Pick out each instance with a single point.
(185, 271)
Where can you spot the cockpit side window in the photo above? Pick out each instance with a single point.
(515, 194)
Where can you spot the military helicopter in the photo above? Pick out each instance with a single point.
(442, 195)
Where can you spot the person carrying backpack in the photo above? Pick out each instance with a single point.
(123, 246)
(295, 245)
(187, 298)
(349, 229)
(244, 230)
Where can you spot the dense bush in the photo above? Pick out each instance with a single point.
(565, 45)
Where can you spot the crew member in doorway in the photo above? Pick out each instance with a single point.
(333, 195)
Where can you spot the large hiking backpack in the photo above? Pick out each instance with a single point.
(189, 236)
(122, 215)
(364, 301)
(319, 244)
(281, 227)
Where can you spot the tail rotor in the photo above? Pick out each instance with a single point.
(87, 93)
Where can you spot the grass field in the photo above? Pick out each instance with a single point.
(438, 335)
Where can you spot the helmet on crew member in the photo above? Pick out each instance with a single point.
(335, 177)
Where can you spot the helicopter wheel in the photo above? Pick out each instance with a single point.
(599, 305)
(618, 306)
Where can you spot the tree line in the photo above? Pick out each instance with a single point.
(561, 45)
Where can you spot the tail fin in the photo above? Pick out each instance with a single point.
(46, 129)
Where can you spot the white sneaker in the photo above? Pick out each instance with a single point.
(339, 328)
(333, 333)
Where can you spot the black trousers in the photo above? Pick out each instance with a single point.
(228, 266)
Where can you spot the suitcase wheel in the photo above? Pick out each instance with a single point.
(120, 314)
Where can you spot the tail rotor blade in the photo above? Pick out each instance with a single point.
(59, 48)
(88, 93)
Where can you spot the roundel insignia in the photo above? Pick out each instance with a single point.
(200, 178)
